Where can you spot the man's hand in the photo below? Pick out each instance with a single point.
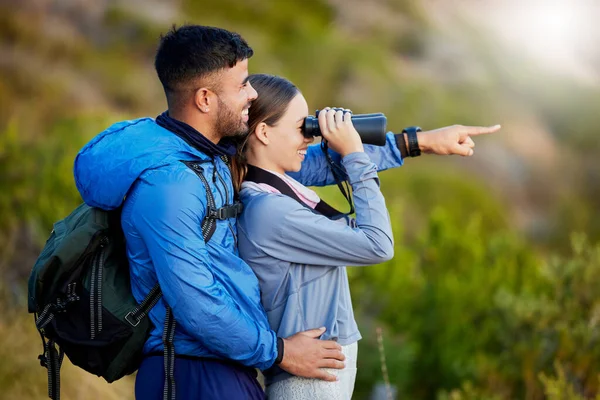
(454, 139)
(304, 355)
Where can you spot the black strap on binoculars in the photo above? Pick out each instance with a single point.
(339, 176)
(259, 175)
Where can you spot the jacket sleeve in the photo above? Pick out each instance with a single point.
(316, 171)
(168, 215)
(296, 234)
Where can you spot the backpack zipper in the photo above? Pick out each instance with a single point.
(96, 290)
(103, 243)
(93, 300)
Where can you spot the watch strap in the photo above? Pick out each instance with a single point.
(413, 142)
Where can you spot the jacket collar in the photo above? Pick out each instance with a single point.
(196, 139)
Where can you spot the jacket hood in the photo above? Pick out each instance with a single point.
(111, 162)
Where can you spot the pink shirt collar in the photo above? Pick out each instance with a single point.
(308, 196)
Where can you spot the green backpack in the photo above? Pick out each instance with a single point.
(80, 295)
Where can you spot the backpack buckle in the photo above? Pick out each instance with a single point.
(215, 213)
(60, 306)
(226, 212)
(131, 319)
(43, 360)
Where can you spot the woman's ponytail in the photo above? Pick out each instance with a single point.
(239, 165)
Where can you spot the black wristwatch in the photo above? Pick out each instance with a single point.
(413, 143)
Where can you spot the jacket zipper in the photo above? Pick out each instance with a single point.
(233, 234)
(224, 185)
(214, 177)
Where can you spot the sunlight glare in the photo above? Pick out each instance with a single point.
(553, 27)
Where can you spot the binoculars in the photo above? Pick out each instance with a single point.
(370, 127)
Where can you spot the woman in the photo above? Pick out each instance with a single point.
(297, 252)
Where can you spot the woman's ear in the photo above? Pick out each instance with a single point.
(262, 133)
(202, 99)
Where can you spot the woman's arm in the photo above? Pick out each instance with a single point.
(293, 233)
(316, 171)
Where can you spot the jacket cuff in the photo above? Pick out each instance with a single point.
(359, 167)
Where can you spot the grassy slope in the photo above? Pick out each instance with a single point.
(22, 377)
(59, 86)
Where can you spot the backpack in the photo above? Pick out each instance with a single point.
(79, 292)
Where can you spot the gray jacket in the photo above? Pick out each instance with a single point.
(299, 256)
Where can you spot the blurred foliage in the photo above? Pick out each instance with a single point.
(22, 376)
(37, 181)
(561, 387)
(482, 310)
(474, 305)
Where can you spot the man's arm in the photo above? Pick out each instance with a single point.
(449, 140)
(168, 213)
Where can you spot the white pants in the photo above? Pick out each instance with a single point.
(297, 388)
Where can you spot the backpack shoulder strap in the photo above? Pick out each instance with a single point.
(208, 223)
(213, 213)
(208, 229)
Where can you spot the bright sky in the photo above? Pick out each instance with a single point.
(563, 35)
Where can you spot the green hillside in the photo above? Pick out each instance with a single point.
(493, 291)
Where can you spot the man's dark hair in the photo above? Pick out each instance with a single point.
(191, 52)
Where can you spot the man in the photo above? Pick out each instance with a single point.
(152, 168)
(221, 330)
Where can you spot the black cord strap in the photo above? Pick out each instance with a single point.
(169, 356)
(339, 176)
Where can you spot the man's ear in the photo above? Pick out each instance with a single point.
(262, 133)
(203, 99)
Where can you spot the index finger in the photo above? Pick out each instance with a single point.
(323, 122)
(481, 130)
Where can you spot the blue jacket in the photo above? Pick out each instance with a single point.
(214, 295)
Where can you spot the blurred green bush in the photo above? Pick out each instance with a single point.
(471, 306)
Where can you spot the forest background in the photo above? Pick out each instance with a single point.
(494, 289)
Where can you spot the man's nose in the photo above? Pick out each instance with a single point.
(252, 93)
